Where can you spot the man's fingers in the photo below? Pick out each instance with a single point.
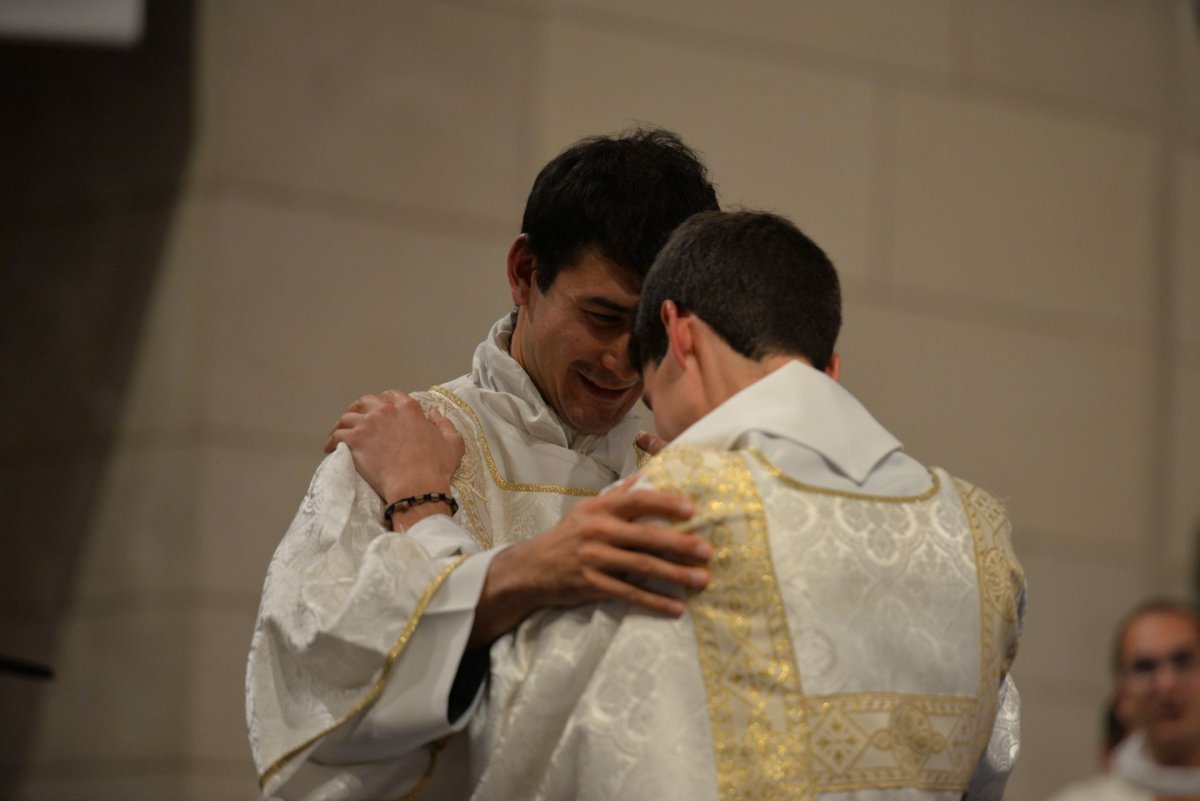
(633, 504)
(649, 538)
(447, 430)
(347, 421)
(650, 443)
(615, 588)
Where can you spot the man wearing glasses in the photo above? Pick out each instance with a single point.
(1156, 658)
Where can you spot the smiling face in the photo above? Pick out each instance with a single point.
(1159, 684)
(573, 339)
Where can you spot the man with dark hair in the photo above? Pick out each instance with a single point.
(1156, 668)
(855, 639)
(371, 648)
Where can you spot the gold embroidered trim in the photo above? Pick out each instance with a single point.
(372, 694)
(434, 748)
(501, 481)
(870, 741)
(755, 698)
(999, 577)
(791, 482)
(467, 481)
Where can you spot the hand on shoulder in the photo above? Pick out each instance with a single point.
(398, 449)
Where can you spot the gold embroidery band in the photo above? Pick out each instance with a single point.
(755, 700)
(998, 575)
(501, 481)
(493, 471)
(376, 688)
(871, 741)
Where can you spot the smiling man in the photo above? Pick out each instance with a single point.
(372, 639)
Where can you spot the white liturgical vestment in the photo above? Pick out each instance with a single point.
(1134, 776)
(361, 631)
(854, 642)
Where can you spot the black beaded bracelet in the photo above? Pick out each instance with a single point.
(404, 504)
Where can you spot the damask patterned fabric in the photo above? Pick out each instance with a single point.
(361, 631)
(850, 646)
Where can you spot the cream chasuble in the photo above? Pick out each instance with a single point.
(852, 645)
(361, 631)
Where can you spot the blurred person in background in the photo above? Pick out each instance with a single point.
(1156, 663)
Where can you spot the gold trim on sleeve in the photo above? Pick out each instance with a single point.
(376, 688)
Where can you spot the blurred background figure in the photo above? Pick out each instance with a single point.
(1156, 663)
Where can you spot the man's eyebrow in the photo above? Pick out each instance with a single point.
(607, 303)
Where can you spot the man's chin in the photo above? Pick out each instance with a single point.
(596, 424)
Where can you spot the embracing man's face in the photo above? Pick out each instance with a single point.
(576, 343)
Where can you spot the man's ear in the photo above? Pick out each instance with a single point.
(680, 339)
(834, 369)
(522, 269)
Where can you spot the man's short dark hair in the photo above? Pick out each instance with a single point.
(622, 195)
(1153, 606)
(754, 278)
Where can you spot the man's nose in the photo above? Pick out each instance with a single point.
(1166, 677)
(616, 359)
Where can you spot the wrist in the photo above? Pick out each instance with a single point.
(503, 601)
(411, 509)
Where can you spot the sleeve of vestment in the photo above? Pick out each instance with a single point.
(359, 638)
(1004, 745)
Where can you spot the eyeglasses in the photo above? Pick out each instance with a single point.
(1142, 671)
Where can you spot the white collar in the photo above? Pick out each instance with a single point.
(802, 404)
(1134, 763)
(510, 394)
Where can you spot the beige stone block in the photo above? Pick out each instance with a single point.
(162, 390)
(246, 499)
(42, 542)
(915, 35)
(777, 138)
(235, 783)
(1049, 425)
(1185, 295)
(176, 780)
(106, 782)
(307, 313)
(121, 673)
(217, 695)
(1077, 596)
(1024, 209)
(1183, 479)
(1108, 52)
(78, 283)
(1185, 25)
(423, 104)
(142, 528)
(1060, 738)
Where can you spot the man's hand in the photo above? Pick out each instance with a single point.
(651, 443)
(595, 553)
(397, 449)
